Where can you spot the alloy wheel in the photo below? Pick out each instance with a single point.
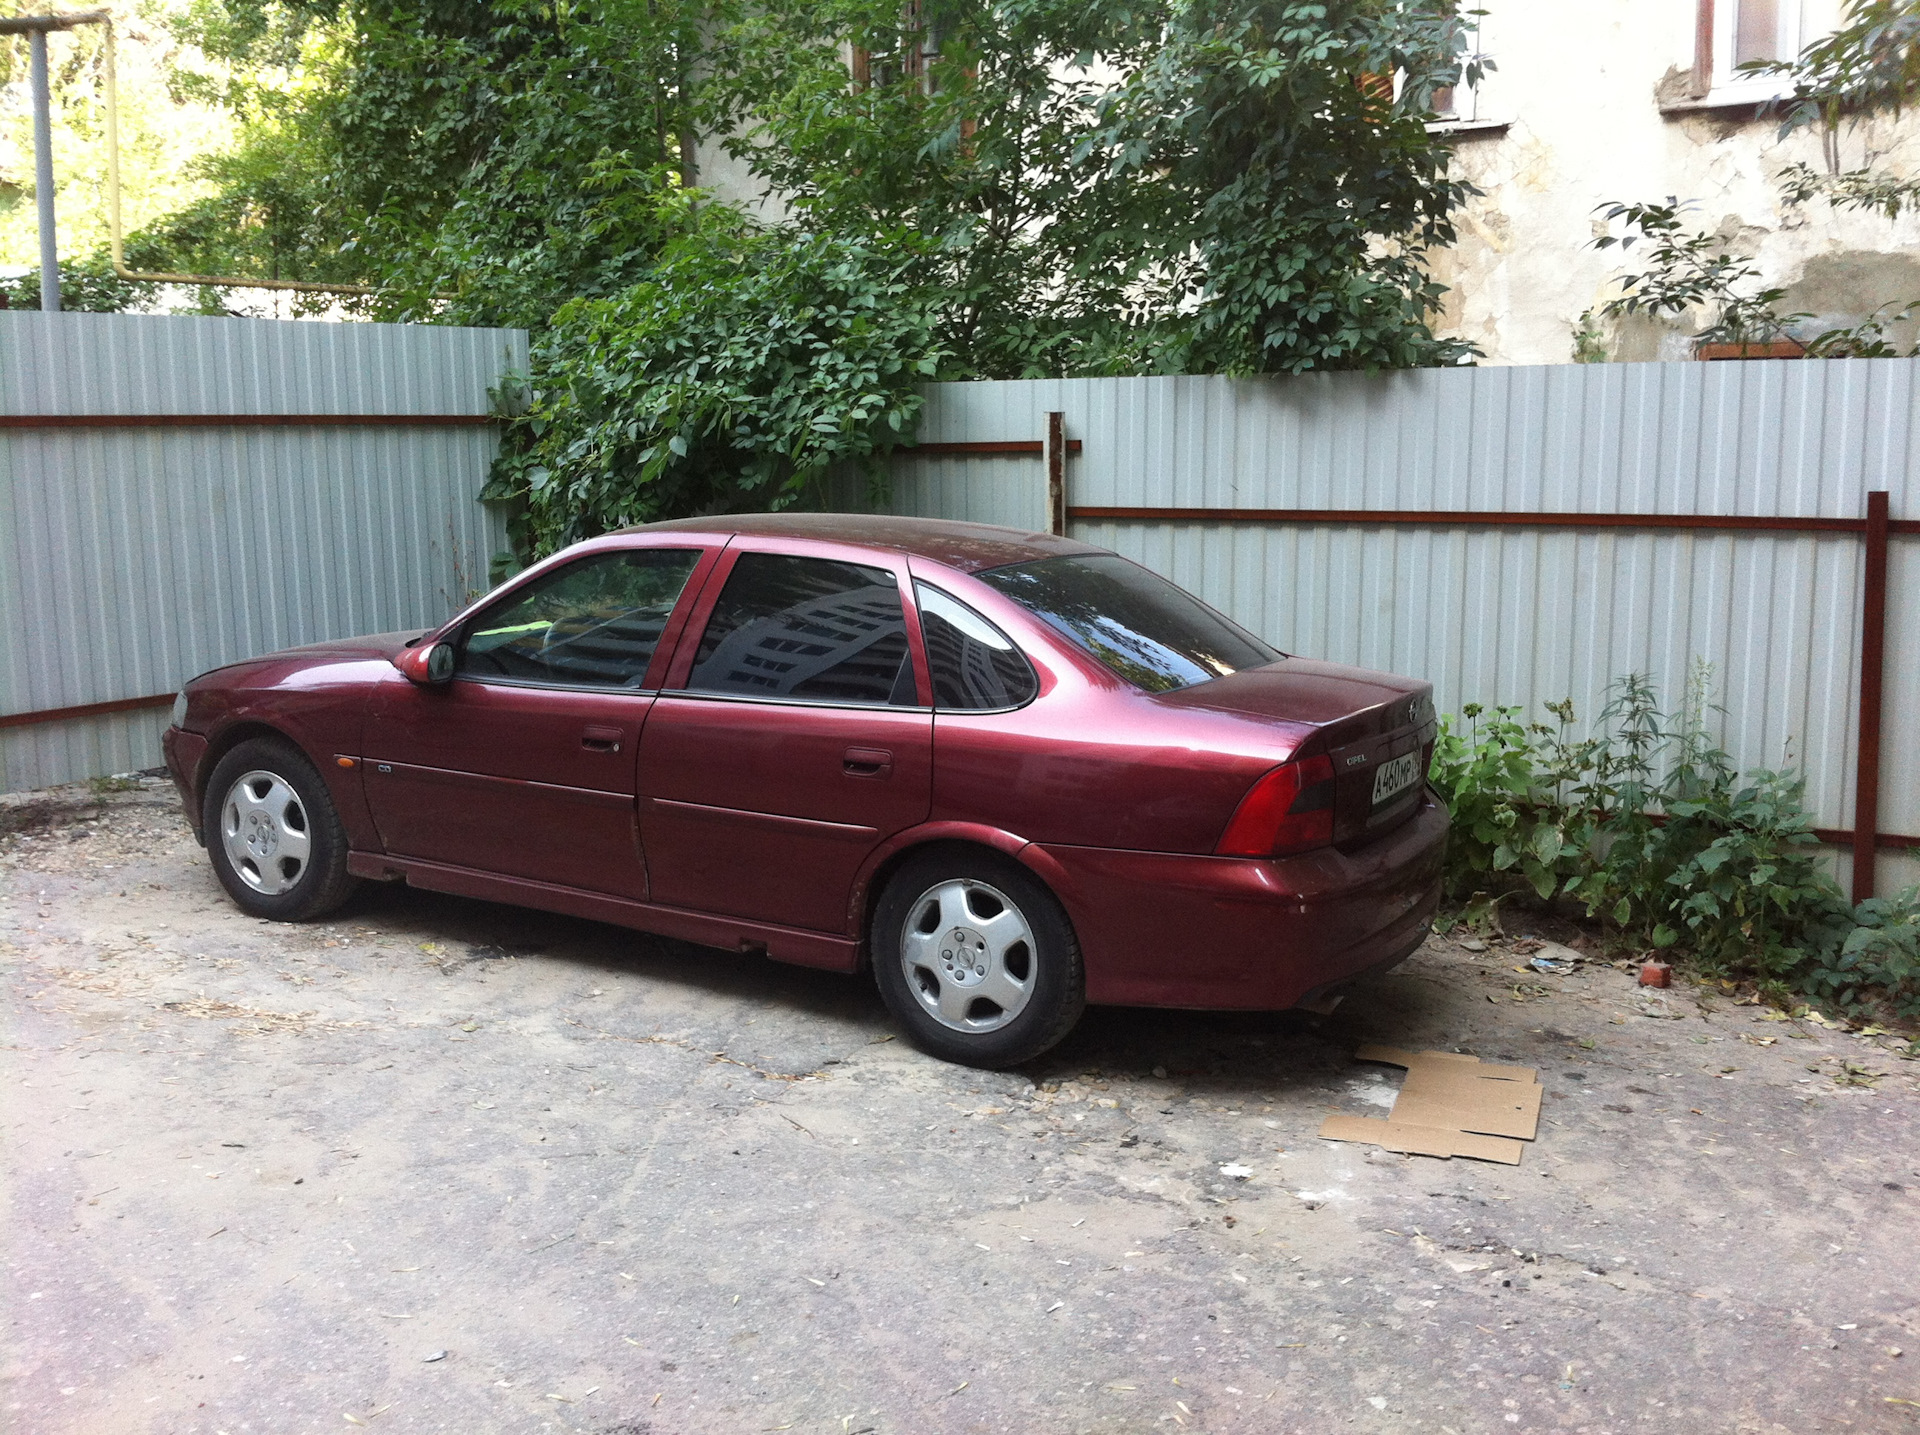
(968, 955)
(264, 829)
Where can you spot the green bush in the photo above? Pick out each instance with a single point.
(1648, 825)
(1880, 959)
(746, 365)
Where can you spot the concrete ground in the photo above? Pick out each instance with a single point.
(438, 1165)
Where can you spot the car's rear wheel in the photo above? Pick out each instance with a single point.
(273, 834)
(976, 958)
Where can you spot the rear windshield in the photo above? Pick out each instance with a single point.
(1151, 633)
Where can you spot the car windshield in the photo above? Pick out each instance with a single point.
(1151, 633)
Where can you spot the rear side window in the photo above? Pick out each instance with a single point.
(974, 665)
(1153, 634)
(806, 628)
(594, 623)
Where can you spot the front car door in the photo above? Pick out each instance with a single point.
(523, 764)
(791, 740)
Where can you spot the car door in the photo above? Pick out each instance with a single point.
(523, 764)
(793, 737)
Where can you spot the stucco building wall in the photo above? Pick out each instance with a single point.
(1589, 104)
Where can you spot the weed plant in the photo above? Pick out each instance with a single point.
(1646, 822)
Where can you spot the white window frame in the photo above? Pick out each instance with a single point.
(1724, 85)
(1469, 107)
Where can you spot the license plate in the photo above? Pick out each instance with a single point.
(1395, 776)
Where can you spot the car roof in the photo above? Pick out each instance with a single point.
(970, 547)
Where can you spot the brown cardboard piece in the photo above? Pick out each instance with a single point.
(1450, 1105)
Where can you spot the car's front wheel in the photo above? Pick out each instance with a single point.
(276, 842)
(976, 958)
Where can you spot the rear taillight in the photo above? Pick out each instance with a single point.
(1289, 810)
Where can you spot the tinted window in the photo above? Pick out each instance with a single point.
(974, 664)
(594, 623)
(1151, 633)
(806, 628)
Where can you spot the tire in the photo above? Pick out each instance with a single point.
(273, 834)
(976, 958)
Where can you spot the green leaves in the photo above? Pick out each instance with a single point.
(1220, 195)
(1647, 821)
(746, 365)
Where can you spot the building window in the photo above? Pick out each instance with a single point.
(1460, 104)
(1463, 106)
(1732, 33)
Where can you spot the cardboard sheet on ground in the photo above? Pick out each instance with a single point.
(1450, 1105)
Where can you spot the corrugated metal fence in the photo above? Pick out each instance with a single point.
(1493, 614)
(220, 488)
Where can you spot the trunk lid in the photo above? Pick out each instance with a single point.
(1376, 728)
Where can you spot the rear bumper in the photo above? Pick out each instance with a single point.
(1223, 933)
(184, 751)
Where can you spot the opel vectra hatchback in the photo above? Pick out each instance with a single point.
(1012, 773)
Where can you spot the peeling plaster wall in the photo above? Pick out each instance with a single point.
(1578, 87)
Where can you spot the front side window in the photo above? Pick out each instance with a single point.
(806, 628)
(594, 623)
(1153, 634)
(974, 665)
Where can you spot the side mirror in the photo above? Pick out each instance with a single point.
(427, 666)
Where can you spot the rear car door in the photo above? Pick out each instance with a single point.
(792, 738)
(523, 764)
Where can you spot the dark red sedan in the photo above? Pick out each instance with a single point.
(1013, 772)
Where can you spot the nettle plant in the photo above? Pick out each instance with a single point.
(1649, 825)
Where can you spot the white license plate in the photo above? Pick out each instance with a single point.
(1395, 776)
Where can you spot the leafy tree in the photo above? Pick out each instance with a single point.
(1690, 269)
(745, 365)
(86, 287)
(482, 163)
(1212, 186)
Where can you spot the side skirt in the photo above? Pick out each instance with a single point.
(782, 944)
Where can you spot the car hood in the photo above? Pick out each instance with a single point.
(374, 645)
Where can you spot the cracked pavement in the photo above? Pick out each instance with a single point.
(440, 1165)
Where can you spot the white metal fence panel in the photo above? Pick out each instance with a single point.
(132, 558)
(1516, 615)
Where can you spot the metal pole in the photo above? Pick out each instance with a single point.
(43, 173)
(1057, 473)
(1873, 650)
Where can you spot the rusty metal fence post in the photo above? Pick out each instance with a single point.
(1873, 648)
(1057, 474)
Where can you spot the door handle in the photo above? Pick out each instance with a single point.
(867, 762)
(601, 739)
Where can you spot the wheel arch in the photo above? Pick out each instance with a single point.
(230, 737)
(959, 836)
